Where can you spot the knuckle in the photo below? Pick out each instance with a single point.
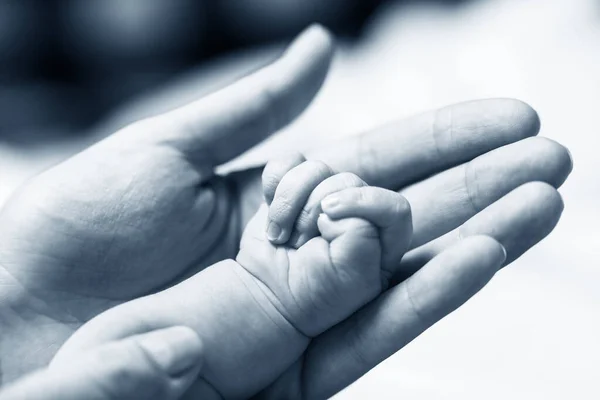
(364, 229)
(442, 130)
(351, 180)
(415, 306)
(471, 192)
(319, 168)
(296, 158)
(277, 168)
(352, 196)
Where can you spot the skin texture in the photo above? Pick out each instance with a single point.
(142, 210)
(258, 314)
(158, 365)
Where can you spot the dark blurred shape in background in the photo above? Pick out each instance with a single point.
(64, 63)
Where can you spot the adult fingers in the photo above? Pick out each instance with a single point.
(158, 365)
(400, 154)
(350, 349)
(220, 126)
(444, 201)
(519, 220)
(406, 151)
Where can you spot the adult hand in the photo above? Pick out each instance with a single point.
(156, 365)
(142, 209)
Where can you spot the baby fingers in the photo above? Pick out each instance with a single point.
(305, 227)
(386, 209)
(275, 171)
(291, 193)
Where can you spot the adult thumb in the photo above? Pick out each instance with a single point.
(216, 128)
(157, 365)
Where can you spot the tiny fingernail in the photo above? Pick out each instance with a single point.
(274, 231)
(330, 202)
(175, 349)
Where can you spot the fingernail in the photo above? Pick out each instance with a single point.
(329, 203)
(274, 231)
(175, 349)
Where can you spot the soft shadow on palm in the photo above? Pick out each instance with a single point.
(114, 224)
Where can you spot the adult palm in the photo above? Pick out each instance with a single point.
(143, 209)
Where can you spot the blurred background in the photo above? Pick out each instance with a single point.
(73, 71)
(67, 62)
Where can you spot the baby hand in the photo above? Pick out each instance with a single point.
(331, 242)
